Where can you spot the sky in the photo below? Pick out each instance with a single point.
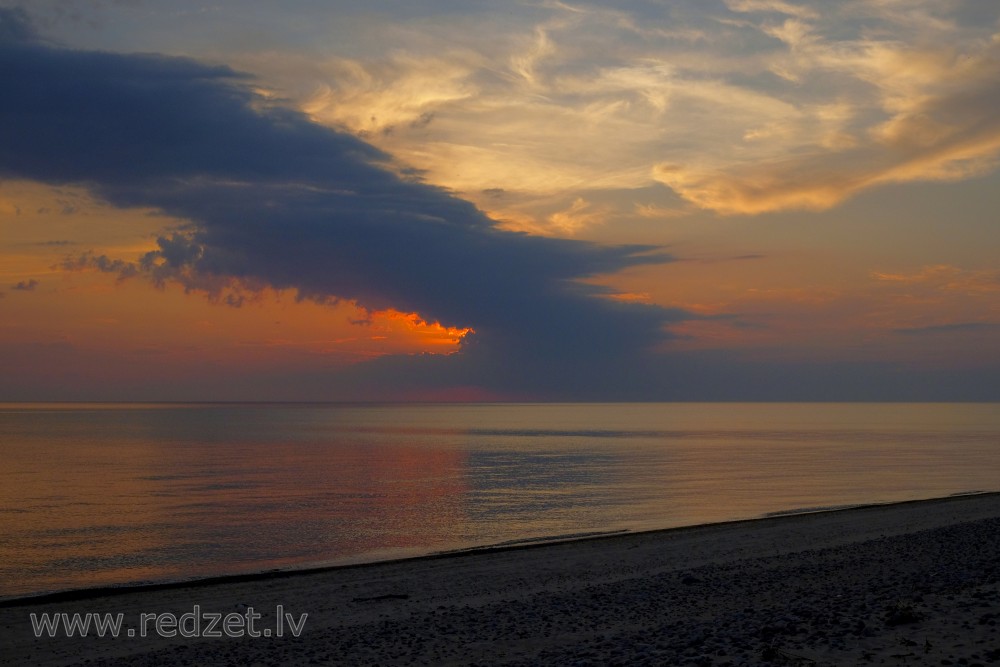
(527, 200)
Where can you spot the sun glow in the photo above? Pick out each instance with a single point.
(433, 334)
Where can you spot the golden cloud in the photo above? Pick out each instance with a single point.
(534, 110)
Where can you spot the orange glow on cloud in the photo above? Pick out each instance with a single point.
(85, 326)
(631, 297)
(432, 333)
(42, 226)
(92, 311)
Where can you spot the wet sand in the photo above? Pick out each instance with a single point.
(905, 584)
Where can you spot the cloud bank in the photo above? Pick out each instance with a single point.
(276, 200)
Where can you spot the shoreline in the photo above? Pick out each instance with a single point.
(90, 592)
(916, 582)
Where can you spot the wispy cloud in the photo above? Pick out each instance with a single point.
(931, 117)
(742, 108)
(402, 93)
(958, 327)
(945, 278)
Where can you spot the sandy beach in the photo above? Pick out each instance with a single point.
(906, 584)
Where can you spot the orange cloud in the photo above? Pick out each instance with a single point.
(567, 222)
(932, 119)
(432, 334)
(945, 277)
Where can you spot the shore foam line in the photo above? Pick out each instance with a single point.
(84, 593)
(914, 582)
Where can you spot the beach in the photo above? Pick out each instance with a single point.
(911, 583)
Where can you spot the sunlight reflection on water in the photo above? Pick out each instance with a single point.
(106, 494)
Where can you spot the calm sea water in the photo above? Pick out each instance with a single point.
(114, 494)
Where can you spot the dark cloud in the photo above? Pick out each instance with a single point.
(25, 285)
(63, 208)
(948, 328)
(274, 199)
(423, 121)
(15, 27)
(103, 263)
(732, 258)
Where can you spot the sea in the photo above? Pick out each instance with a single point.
(95, 495)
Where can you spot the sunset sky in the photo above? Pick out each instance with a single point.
(523, 200)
